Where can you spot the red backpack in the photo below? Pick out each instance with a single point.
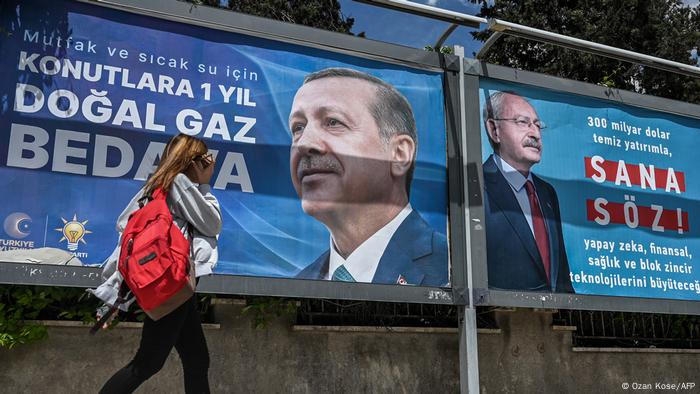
(154, 258)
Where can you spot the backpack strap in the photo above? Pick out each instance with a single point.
(157, 194)
(190, 237)
(122, 297)
(144, 200)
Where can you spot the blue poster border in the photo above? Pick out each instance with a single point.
(483, 296)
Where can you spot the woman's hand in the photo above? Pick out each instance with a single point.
(101, 311)
(201, 169)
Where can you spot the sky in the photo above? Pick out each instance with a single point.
(410, 30)
(414, 31)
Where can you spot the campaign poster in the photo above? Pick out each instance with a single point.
(89, 96)
(615, 199)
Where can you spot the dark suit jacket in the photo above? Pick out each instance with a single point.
(513, 259)
(416, 252)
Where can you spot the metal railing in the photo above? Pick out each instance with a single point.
(369, 313)
(593, 328)
(627, 329)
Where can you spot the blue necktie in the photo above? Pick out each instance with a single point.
(341, 273)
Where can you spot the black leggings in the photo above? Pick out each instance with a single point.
(182, 329)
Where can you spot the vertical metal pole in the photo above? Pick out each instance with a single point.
(468, 352)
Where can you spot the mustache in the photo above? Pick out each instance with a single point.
(313, 164)
(532, 142)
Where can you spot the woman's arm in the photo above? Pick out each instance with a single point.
(130, 208)
(197, 205)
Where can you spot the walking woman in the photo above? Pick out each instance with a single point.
(184, 172)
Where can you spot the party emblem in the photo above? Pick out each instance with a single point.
(17, 225)
(73, 231)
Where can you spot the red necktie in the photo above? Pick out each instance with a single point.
(538, 224)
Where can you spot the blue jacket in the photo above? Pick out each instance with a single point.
(416, 252)
(513, 259)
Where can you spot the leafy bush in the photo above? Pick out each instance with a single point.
(263, 309)
(18, 304)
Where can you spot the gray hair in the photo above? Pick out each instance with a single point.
(493, 109)
(390, 110)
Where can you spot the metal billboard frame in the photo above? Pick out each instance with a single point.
(476, 70)
(215, 18)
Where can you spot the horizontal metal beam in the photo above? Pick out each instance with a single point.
(429, 12)
(531, 33)
(265, 28)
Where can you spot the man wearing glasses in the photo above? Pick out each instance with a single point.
(523, 234)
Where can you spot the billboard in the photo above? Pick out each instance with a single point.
(588, 196)
(309, 176)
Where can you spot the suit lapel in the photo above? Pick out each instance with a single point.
(406, 245)
(319, 268)
(502, 195)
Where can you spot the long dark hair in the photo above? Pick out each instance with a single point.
(177, 156)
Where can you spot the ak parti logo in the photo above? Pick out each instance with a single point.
(74, 232)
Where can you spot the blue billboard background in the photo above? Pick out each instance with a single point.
(645, 262)
(74, 174)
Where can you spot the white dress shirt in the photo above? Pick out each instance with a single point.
(516, 180)
(362, 263)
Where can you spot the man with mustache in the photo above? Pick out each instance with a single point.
(352, 160)
(525, 248)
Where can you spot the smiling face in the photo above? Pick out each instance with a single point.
(338, 160)
(520, 147)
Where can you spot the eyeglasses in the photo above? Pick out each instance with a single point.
(525, 122)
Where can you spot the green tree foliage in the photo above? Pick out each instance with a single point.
(322, 14)
(447, 50)
(663, 28)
